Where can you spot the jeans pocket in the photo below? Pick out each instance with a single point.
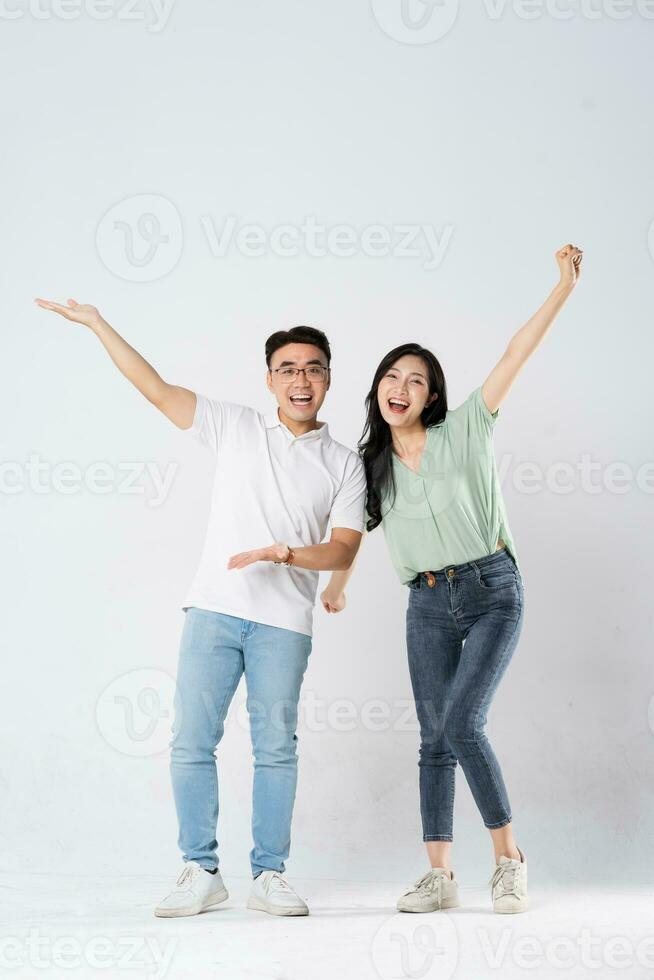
(497, 575)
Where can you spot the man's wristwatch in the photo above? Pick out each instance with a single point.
(289, 558)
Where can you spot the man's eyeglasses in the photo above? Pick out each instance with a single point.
(315, 372)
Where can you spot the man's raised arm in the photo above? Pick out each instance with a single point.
(176, 403)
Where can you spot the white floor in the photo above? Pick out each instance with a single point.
(90, 927)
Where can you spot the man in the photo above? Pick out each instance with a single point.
(280, 480)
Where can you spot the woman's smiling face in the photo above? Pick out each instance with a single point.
(403, 392)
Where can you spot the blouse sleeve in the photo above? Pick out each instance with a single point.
(473, 418)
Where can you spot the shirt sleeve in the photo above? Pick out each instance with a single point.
(349, 504)
(209, 421)
(478, 421)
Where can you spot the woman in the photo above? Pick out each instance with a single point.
(434, 488)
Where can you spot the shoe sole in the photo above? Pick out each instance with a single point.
(215, 899)
(259, 906)
(523, 908)
(449, 903)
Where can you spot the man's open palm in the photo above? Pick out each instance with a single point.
(78, 312)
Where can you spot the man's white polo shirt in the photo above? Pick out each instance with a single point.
(269, 485)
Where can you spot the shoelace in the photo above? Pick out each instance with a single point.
(504, 876)
(277, 882)
(429, 883)
(190, 871)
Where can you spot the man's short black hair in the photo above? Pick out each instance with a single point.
(298, 335)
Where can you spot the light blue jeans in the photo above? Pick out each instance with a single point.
(215, 651)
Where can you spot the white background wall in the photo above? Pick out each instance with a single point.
(508, 136)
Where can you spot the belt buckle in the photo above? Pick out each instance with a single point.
(431, 579)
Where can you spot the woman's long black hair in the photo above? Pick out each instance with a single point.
(376, 445)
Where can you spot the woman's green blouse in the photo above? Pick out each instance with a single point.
(452, 510)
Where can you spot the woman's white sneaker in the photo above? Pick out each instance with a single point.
(435, 890)
(509, 884)
(271, 893)
(195, 890)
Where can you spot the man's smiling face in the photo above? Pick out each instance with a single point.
(299, 396)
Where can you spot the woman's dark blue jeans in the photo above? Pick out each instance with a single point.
(461, 633)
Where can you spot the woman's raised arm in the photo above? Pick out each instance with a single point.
(523, 343)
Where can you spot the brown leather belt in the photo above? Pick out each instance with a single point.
(431, 578)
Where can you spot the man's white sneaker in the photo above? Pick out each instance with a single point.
(509, 884)
(435, 890)
(271, 893)
(195, 890)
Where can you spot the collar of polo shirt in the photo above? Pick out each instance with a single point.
(271, 419)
